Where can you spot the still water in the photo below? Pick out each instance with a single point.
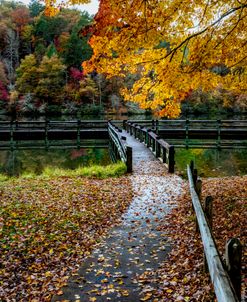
(17, 162)
(212, 162)
(209, 162)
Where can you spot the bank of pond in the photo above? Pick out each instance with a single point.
(210, 162)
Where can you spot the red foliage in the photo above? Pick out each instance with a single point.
(21, 17)
(76, 74)
(4, 96)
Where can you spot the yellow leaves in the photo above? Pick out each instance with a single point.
(51, 11)
(194, 44)
(147, 297)
(125, 293)
(92, 299)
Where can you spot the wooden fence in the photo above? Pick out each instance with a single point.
(159, 147)
(49, 131)
(226, 278)
(119, 147)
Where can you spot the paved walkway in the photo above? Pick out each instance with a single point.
(111, 272)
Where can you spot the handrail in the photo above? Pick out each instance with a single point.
(222, 284)
(159, 147)
(120, 147)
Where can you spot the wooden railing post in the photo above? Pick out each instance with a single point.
(11, 135)
(192, 166)
(198, 188)
(163, 155)
(187, 133)
(233, 264)
(46, 133)
(171, 158)
(78, 133)
(153, 144)
(218, 133)
(208, 209)
(157, 147)
(124, 124)
(148, 142)
(129, 159)
(156, 126)
(194, 175)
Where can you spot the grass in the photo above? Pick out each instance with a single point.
(112, 170)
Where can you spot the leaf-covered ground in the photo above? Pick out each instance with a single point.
(47, 227)
(181, 277)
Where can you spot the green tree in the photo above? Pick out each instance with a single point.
(77, 48)
(35, 8)
(52, 75)
(48, 29)
(27, 75)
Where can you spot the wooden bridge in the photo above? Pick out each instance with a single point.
(152, 133)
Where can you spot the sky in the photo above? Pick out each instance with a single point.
(91, 8)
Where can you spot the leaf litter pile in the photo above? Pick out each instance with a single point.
(181, 277)
(47, 227)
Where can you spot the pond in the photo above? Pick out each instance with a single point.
(209, 162)
(212, 162)
(17, 162)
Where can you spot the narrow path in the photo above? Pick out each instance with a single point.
(111, 272)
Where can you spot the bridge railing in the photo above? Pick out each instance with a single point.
(52, 125)
(226, 278)
(192, 124)
(119, 146)
(159, 147)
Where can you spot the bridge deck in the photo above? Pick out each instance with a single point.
(135, 246)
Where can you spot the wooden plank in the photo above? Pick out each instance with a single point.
(222, 285)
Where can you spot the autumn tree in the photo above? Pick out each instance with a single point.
(199, 36)
(51, 80)
(27, 75)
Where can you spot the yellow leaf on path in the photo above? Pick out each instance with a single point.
(125, 293)
(147, 297)
(92, 299)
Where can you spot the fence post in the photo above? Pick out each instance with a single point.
(129, 159)
(164, 155)
(124, 124)
(157, 147)
(171, 162)
(194, 176)
(187, 133)
(198, 188)
(78, 133)
(191, 166)
(156, 126)
(11, 135)
(153, 144)
(233, 264)
(218, 133)
(148, 138)
(208, 209)
(46, 134)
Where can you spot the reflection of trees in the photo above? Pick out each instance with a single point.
(213, 162)
(9, 163)
(34, 161)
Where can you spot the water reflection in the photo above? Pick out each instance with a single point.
(17, 162)
(213, 162)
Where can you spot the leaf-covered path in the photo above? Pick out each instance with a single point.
(134, 247)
